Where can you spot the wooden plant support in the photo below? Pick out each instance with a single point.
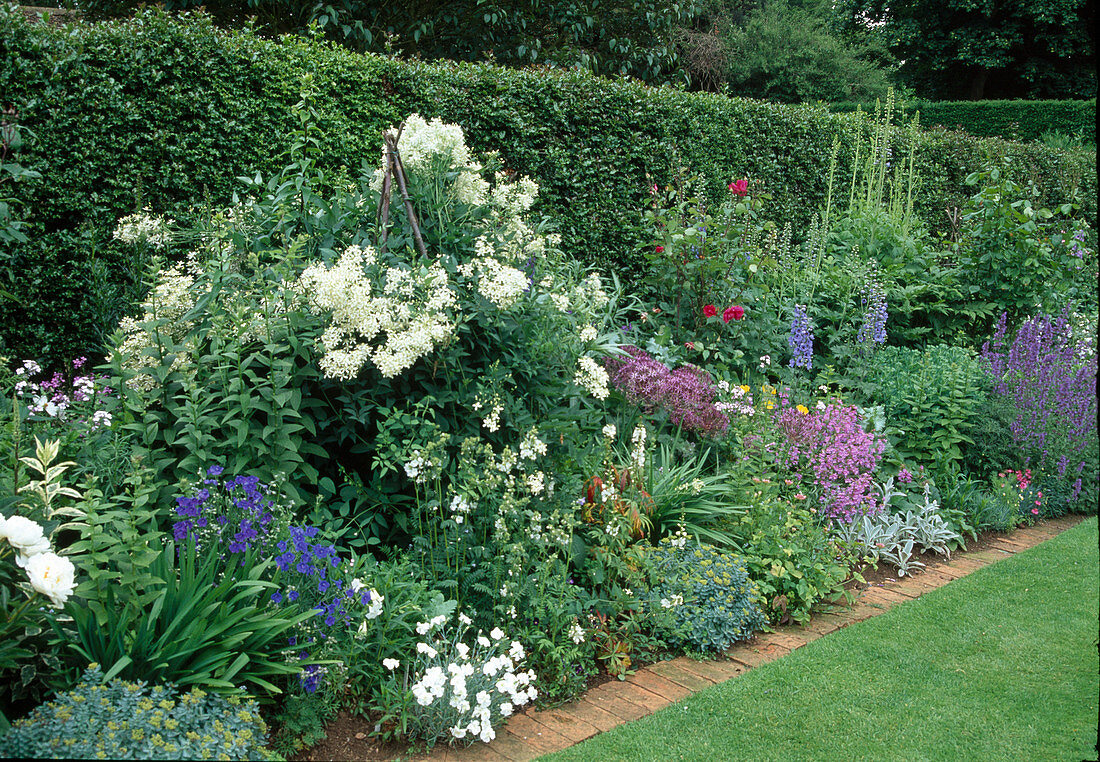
(395, 170)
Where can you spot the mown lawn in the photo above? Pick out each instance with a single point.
(1001, 664)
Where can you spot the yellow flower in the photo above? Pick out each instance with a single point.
(767, 389)
(769, 404)
(745, 388)
(802, 409)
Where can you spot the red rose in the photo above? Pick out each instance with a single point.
(739, 188)
(710, 310)
(660, 249)
(736, 312)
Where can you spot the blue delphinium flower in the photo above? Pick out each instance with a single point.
(873, 330)
(801, 340)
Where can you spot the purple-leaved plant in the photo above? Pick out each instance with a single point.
(1050, 378)
(687, 393)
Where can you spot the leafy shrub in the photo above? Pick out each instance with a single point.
(789, 556)
(151, 71)
(994, 448)
(118, 719)
(932, 397)
(1018, 255)
(714, 601)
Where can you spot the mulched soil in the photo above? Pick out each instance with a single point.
(349, 737)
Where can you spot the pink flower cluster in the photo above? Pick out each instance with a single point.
(62, 399)
(688, 393)
(831, 445)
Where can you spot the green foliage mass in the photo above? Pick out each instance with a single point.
(787, 55)
(932, 396)
(117, 719)
(951, 49)
(1015, 119)
(161, 113)
(619, 37)
(720, 604)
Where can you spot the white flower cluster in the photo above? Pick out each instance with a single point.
(143, 228)
(638, 453)
(430, 145)
(588, 333)
(679, 538)
(170, 299)
(532, 447)
(610, 431)
(418, 468)
(460, 508)
(49, 574)
(465, 688)
(392, 326)
(502, 285)
(676, 600)
(591, 377)
(576, 632)
(736, 398)
(493, 405)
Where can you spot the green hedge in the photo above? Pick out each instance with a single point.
(1019, 120)
(166, 113)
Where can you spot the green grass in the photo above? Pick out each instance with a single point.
(1001, 664)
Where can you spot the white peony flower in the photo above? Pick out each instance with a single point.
(26, 537)
(53, 576)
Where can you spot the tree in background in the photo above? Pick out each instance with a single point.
(781, 50)
(612, 37)
(978, 49)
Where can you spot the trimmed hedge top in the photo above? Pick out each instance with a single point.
(165, 113)
(1022, 120)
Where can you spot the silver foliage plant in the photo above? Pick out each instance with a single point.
(892, 537)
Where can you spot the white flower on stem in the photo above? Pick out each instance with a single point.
(588, 333)
(496, 633)
(53, 576)
(374, 609)
(391, 664)
(610, 431)
(576, 632)
(424, 648)
(516, 651)
(506, 709)
(26, 537)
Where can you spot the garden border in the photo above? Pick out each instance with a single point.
(533, 733)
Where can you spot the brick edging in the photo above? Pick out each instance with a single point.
(533, 733)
